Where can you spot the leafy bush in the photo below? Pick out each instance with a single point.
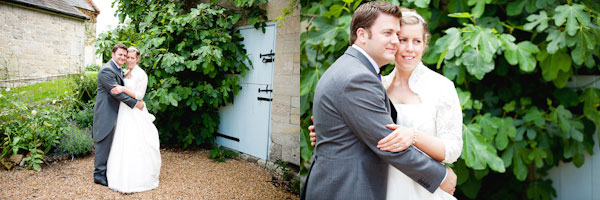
(92, 68)
(30, 129)
(220, 154)
(291, 180)
(76, 142)
(34, 128)
(510, 62)
(84, 87)
(191, 55)
(85, 116)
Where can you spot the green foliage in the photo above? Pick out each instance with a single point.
(220, 154)
(84, 117)
(32, 123)
(92, 68)
(85, 86)
(291, 181)
(510, 62)
(192, 57)
(76, 142)
(31, 129)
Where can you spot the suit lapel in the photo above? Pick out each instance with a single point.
(362, 58)
(116, 70)
(351, 51)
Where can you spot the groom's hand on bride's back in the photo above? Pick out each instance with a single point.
(449, 184)
(140, 105)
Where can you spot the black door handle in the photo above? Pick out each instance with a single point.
(268, 57)
(265, 90)
(264, 99)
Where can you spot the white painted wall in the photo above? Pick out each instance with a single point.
(581, 183)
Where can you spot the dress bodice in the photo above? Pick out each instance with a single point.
(439, 113)
(129, 83)
(137, 81)
(419, 116)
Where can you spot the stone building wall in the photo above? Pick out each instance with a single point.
(285, 108)
(36, 43)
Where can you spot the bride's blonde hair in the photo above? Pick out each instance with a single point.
(411, 17)
(134, 49)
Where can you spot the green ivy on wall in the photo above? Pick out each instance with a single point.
(192, 58)
(510, 62)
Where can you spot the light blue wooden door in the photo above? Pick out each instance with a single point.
(245, 124)
(582, 183)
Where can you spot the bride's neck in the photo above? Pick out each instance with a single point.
(402, 76)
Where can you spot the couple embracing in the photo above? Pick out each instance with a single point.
(127, 155)
(354, 108)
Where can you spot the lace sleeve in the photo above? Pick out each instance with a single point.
(449, 122)
(141, 82)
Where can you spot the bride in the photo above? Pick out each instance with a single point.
(427, 108)
(134, 160)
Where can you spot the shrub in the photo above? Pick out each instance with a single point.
(76, 142)
(189, 52)
(30, 130)
(92, 67)
(34, 129)
(85, 116)
(84, 87)
(220, 154)
(291, 180)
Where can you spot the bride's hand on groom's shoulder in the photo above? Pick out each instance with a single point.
(400, 139)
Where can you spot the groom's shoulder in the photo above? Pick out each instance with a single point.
(347, 62)
(104, 68)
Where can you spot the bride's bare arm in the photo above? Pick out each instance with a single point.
(122, 89)
(398, 141)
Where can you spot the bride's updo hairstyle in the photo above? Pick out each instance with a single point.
(136, 50)
(411, 17)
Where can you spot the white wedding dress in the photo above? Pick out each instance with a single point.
(134, 161)
(439, 114)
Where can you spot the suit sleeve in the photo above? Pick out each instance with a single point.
(108, 80)
(367, 116)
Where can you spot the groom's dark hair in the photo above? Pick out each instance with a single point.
(366, 14)
(119, 46)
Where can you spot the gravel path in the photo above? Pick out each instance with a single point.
(184, 175)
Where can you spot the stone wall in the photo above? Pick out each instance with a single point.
(36, 43)
(285, 108)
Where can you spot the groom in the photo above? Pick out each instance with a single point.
(106, 109)
(351, 109)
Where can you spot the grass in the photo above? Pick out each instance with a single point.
(44, 91)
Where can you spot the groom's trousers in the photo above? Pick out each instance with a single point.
(102, 150)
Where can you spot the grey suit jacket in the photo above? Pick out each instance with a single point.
(106, 107)
(351, 109)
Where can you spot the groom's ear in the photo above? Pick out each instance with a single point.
(361, 35)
